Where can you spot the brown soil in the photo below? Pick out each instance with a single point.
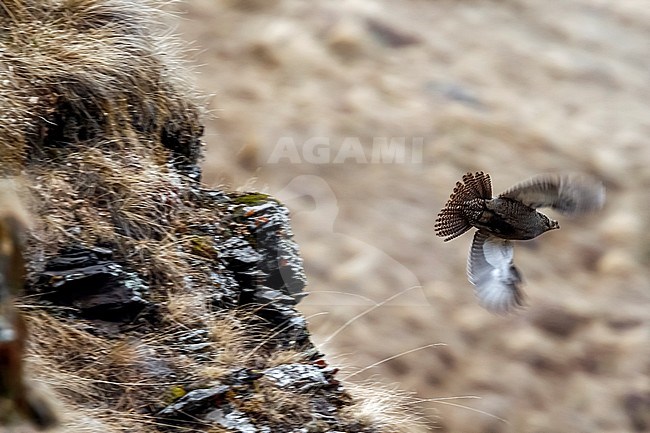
(513, 88)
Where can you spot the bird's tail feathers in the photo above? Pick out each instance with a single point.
(451, 221)
(474, 185)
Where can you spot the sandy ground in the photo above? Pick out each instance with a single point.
(314, 101)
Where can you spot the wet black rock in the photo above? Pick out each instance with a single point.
(256, 260)
(226, 296)
(269, 222)
(90, 281)
(265, 261)
(239, 255)
(215, 404)
(302, 377)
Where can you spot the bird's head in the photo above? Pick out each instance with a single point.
(550, 224)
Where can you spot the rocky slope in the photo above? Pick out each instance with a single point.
(152, 303)
(513, 88)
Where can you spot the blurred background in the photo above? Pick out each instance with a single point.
(362, 114)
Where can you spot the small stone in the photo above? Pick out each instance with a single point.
(616, 262)
(637, 408)
(234, 420)
(346, 38)
(239, 254)
(99, 288)
(557, 321)
(300, 377)
(390, 35)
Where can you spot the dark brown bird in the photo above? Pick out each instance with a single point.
(510, 216)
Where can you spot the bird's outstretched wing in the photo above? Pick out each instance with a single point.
(569, 194)
(494, 276)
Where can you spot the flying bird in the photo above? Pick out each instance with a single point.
(512, 215)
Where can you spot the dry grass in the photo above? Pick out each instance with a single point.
(277, 406)
(98, 378)
(386, 409)
(105, 380)
(105, 66)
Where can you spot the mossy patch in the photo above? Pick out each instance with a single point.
(253, 199)
(203, 246)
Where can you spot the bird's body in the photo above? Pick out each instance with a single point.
(510, 219)
(510, 216)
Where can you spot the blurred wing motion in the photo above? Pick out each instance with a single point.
(569, 194)
(494, 276)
